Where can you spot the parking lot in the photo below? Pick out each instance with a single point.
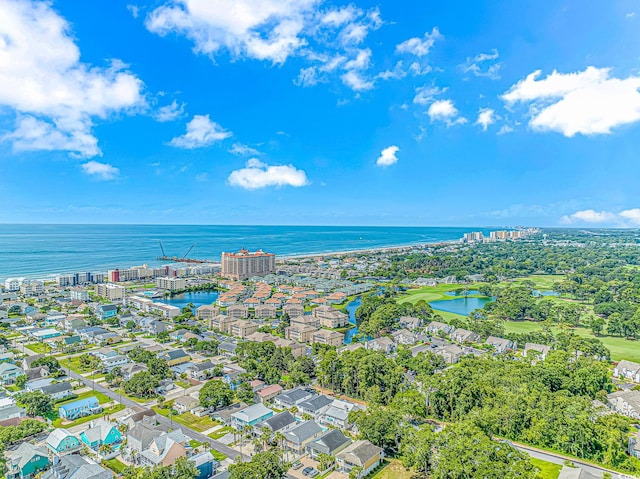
(306, 462)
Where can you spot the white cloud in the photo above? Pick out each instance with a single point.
(257, 175)
(632, 215)
(308, 77)
(630, 14)
(588, 102)
(486, 117)
(388, 156)
(102, 171)
(134, 9)
(444, 110)
(590, 216)
(356, 81)
(169, 112)
(202, 177)
(483, 65)
(56, 97)
(420, 47)
(201, 132)
(504, 129)
(243, 150)
(340, 16)
(425, 94)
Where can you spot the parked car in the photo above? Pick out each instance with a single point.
(313, 473)
(296, 465)
(306, 471)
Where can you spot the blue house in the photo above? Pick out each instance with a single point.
(80, 408)
(106, 311)
(62, 442)
(250, 416)
(205, 463)
(101, 432)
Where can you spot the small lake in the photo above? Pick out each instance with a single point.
(198, 298)
(351, 308)
(462, 306)
(545, 293)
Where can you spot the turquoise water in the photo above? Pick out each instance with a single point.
(462, 306)
(198, 298)
(45, 250)
(545, 293)
(470, 292)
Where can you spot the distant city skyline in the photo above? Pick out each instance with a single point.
(320, 113)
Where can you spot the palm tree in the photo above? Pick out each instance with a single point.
(265, 435)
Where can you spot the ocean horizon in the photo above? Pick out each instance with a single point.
(44, 250)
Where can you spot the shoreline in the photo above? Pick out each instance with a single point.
(283, 259)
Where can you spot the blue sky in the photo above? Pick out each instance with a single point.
(310, 112)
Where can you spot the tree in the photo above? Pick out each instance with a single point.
(36, 403)
(597, 325)
(245, 393)
(21, 380)
(325, 461)
(50, 361)
(142, 384)
(131, 325)
(215, 394)
(263, 465)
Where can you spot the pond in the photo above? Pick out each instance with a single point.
(198, 298)
(545, 293)
(462, 306)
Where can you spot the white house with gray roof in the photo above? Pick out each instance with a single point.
(500, 345)
(298, 435)
(77, 467)
(331, 442)
(362, 454)
(627, 370)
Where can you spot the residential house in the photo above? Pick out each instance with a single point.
(409, 322)
(116, 361)
(58, 391)
(61, 442)
(101, 432)
(238, 311)
(27, 361)
(382, 344)
(175, 357)
(297, 349)
(265, 311)
(574, 472)
(298, 435)
(205, 463)
(207, 311)
(140, 437)
(306, 320)
(337, 414)
(500, 345)
(360, 454)
(275, 423)
(634, 445)
(315, 406)
(9, 373)
(26, 461)
(330, 317)
(461, 336)
(627, 370)
(77, 467)
(404, 336)
(165, 449)
(106, 311)
(184, 404)
(224, 414)
(80, 408)
(267, 393)
(293, 397)
(300, 332)
(538, 350)
(73, 324)
(202, 371)
(293, 310)
(330, 443)
(89, 334)
(250, 416)
(131, 369)
(11, 411)
(222, 323)
(242, 328)
(330, 338)
(227, 349)
(451, 353)
(626, 403)
(437, 328)
(38, 372)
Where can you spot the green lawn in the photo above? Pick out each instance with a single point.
(620, 348)
(393, 470)
(40, 348)
(218, 456)
(221, 432)
(543, 282)
(73, 364)
(115, 465)
(196, 423)
(102, 398)
(430, 293)
(58, 422)
(548, 470)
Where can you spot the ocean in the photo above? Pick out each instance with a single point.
(41, 251)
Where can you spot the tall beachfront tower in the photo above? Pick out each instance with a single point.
(244, 264)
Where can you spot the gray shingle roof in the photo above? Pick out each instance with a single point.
(302, 431)
(277, 422)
